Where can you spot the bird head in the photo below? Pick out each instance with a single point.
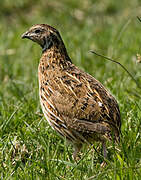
(43, 34)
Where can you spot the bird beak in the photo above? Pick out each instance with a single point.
(25, 35)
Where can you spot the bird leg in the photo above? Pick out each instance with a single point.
(77, 148)
(104, 153)
(104, 150)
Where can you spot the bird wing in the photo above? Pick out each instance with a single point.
(83, 103)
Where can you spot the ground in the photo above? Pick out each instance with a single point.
(29, 148)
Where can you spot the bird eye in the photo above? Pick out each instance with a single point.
(37, 31)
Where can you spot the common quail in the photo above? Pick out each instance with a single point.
(75, 104)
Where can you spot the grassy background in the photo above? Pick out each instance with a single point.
(29, 148)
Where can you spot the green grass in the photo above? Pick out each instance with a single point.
(29, 148)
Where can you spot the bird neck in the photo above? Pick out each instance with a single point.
(56, 54)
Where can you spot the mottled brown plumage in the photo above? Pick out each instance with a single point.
(75, 104)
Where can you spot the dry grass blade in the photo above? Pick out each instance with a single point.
(110, 59)
(139, 18)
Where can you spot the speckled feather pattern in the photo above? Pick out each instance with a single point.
(75, 104)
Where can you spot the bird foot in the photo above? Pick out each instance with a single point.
(103, 164)
(76, 159)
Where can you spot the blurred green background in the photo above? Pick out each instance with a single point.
(29, 148)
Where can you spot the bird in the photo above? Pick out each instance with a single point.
(75, 104)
